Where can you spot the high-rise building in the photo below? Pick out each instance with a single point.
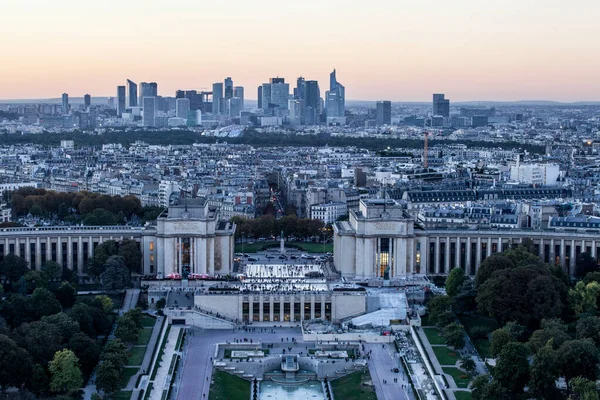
(149, 111)
(65, 103)
(217, 98)
(228, 88)
(180, 94)
(147, 90)
(441, 105)
(132, 94)
(384, 113)
(87, 100)
(335, 97)
(275, 94)
(311, 102)
(238, 91)
(259, 97)
(234, 105)
(182, 106)
(300, 90)
(266, 96)
(121, 90)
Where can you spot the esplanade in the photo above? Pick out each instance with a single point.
(379, 240)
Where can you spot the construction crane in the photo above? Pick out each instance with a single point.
(426, 151)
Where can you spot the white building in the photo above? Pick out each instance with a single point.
(329, 212)
(536, 174)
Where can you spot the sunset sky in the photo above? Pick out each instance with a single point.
(384, 49)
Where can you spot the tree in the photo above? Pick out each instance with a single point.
(589, 328)
(584, 264)
(512, 367)
(43, 303)
(115, 351)
(39, 382)
(52, 270)
(455, 335)
(101, 254)
(116, 275)
(130, 251)
(500, 338)
(126, 330)
(584, 297)
(65, 326)
(468, 365)
(13, 267)
(438, 306)
(66, 294)
(553, 331)
(544, 372)
(65, 372)
(82, 314)
(578, 358)
(523, 294)
(15, 363)
(108, 377)
(86, 349)
(491, 264)
(486, 388)
(585, 389)
(454, 281)
(35, 279)
(107, 303)
(161, 303)
(40, 339)
(464, 301)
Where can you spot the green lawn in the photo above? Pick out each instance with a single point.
(148, 321)
(350, 387)
(127, 374)
(456, 374)
(228, 387)
(444, 355)
(137, 355)
(303, 246)
(121, 395)
(144, 336)
(462, 395)
(434, 336)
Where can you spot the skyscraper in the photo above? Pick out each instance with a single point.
(234, 105)
(87, 100)
(280, 94)
(312, 102)
(441, 105)
(132, 94)
(335, 97)
(259, 97)
(217, 98)
(149, 111)
(228, 88)
(300, 90)
(120, 100)
(266, 96)
(182, 106)
(65, 103)
(238, 91)
(147, 90)
(384, 113)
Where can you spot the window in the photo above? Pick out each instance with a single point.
(151, 246)
(151, 258)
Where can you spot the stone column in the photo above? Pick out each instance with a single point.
(281, 309)
(489, 247)
(542, 253)
(271, 302)
(447, 256)
(500, 244)
(80, 255)
(27, 254)
(562, 253)
(70, 253)
(323, 307)
(593, 249)
(312, 307)
(59, 251)
(6, 246)
(478, 254)
(468, 256)
(402, 257)
(424, 251)
(302, 307)
(211, 256)
(437, 255)
(38, 254)
(573, 255)
(48, 249)
(552, 255)
(410, 258)
(250, 308)
(457, 260)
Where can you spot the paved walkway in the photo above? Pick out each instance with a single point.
(161, 381)
(129, 302)
(197, 366)
(146, 363)
(380, 367)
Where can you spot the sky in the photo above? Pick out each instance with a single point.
(397, 50)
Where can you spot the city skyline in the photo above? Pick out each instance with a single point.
(505, 51)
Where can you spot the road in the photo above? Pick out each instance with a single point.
(380, 367)
(197, 366)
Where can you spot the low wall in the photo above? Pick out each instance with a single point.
(347, 337)
(195, 318)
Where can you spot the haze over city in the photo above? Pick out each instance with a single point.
(396, 50)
